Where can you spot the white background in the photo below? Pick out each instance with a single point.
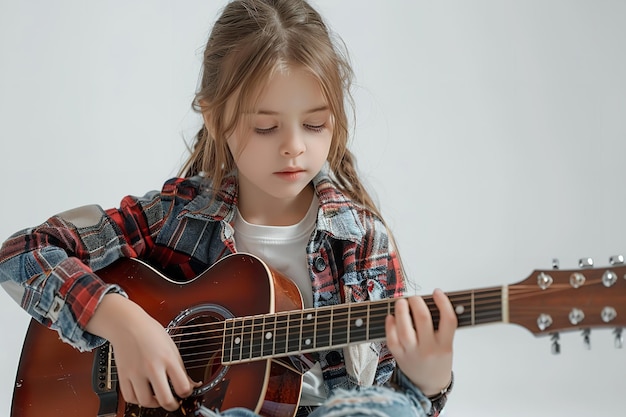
(492, 131)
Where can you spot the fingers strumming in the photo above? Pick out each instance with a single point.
(128, 393)
(145, 395)
(181, 383)
(165, 396)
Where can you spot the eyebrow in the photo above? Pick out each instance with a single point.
(313, 110)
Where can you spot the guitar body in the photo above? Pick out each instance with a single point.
(54, 379)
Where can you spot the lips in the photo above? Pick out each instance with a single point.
(290, 170)
(290, 174)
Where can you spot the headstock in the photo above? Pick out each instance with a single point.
(553, 301)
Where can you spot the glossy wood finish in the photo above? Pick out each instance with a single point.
(55, 380)
(242, 292)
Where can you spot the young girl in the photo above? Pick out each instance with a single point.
(270, 174)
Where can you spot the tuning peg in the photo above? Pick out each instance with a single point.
(585, 263)
(555, 263)
(587, 338)
(616, 260)
(556, 346)
(619, 340)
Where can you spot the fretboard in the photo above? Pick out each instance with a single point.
(288, 333)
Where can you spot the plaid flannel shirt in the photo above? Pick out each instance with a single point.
(183, 230)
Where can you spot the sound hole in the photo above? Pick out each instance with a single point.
(198, 334)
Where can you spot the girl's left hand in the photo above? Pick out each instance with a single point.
(423, 353)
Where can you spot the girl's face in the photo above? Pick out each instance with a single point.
(281, 146)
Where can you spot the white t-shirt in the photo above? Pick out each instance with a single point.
(284, 249)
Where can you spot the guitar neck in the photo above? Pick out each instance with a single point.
(287, 333)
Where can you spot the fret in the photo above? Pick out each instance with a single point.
(299, 324)
(315, 327)
(269, 336)
(281, 325)
(339, 325)
(476, 306)
(238, 339)
(256, 337)
(359, 322)
(246, 338)
(293, 337)
(322, 334)
(307, 338)
(490, 310)
(228, 340)
(378, 312)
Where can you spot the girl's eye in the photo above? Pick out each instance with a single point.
(268, 130)
(264, 131)
(315, 128)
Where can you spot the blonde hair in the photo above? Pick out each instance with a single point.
(251, 39)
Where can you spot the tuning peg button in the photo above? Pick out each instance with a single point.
(585, 262)
(544, 321)
(616, 260)
(608, 314)
(576, 315)
(544, 280)
(609, 278)
(577, 280)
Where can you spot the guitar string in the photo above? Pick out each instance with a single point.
(488, 314)
(257, 349)
(492, 299)
(294, 337)
(251, 328)
(486, 306)
(481, 299)
(347, 308)
(291, 318)
(486, 298)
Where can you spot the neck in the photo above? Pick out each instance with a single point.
(261, 209)
(322, 328)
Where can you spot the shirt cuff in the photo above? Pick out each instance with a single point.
(432, 405)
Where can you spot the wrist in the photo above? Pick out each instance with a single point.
(111, 315)
(438, 401)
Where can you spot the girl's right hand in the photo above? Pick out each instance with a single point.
(146, 358)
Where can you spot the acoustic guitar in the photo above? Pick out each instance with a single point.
(237, 323)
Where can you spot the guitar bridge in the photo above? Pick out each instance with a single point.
(102, 382)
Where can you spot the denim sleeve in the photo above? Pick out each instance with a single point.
(48, 269)
(41, 268)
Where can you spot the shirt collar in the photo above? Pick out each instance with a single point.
(337, 215)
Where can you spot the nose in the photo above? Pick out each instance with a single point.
(292, 144)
